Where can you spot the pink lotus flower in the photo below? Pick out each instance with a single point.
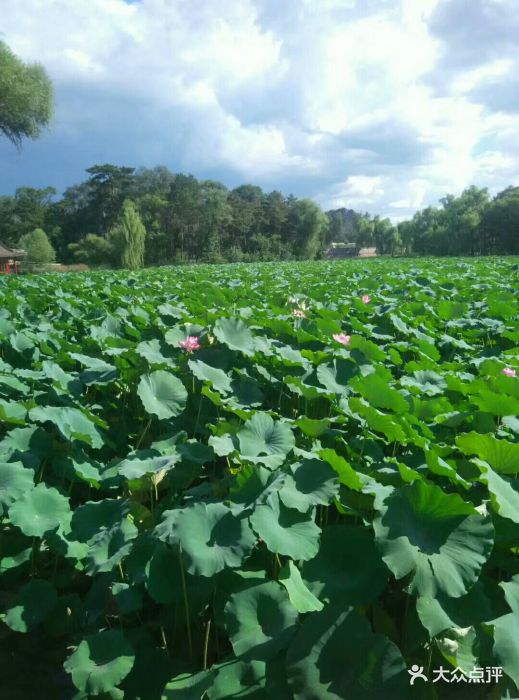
(189, 344)
(299, 313)
(366, 298)
(342, 338)
(509, 372)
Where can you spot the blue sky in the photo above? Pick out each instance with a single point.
(378, 105)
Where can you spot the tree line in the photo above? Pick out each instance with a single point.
(471, 224)
(122, 217)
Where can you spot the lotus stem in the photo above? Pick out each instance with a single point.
(146, 428)
(206, 642)
(186, 602)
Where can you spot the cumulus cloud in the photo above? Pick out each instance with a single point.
(382, 105)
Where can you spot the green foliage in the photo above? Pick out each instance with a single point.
(38, 248)
(266, 512)
(27, 98)
(128, 237)
(93, 250)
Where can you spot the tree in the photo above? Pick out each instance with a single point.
(500, 224)
(217, 215)
(93, 250)
(38, 247)
(24, 212)
(185, 212)
(128, 237)
(462, 219)
(310, 227)
(109, 186)
(26, 97)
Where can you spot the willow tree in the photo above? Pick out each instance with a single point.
(26, 97)
(128, 237)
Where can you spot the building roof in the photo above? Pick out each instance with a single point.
(6, 252)
(338, 251)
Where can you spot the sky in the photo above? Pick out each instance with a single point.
(377, 105)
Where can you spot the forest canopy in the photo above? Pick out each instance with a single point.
(184, 219)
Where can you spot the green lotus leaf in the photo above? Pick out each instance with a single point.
(134, 467)
(506, 632)
(503, 456)
(79, 466)
(12, 412)
(22, 343)
(379, 422)
(97, 371)
(260, 620)
(218, 379)
(163, 575)
(246, 393)
(127, 597)
(285, 530)
(442, 613)
(235, 334)
(368, 348)
(336, 376)
(504, 495)
(222, 444)
(313, 428)
(426, 382)
(188, 686)
(336, 656)
(109, 546)
(63, 382)
(33, 604)
(15, 480)
(438, 538)
(72, 423)
(13, 384)
(497, 404)
(40, 511)
(212, 537)
(300, 596)
(91, 517)
(348, 568)
(376, 390)
(309, 483)
(238, 679)
(347, 475)
(261, 435)
(162, 394)
(154, 351)
(28, 445)
(100, 662)
(140, 684)
(511, 591)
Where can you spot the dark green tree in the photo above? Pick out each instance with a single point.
(93, 250)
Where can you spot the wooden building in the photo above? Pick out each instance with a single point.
(339, 251)
(10, 260)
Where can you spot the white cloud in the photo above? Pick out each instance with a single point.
(350, 102)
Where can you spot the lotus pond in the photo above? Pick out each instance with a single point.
(261, 481)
